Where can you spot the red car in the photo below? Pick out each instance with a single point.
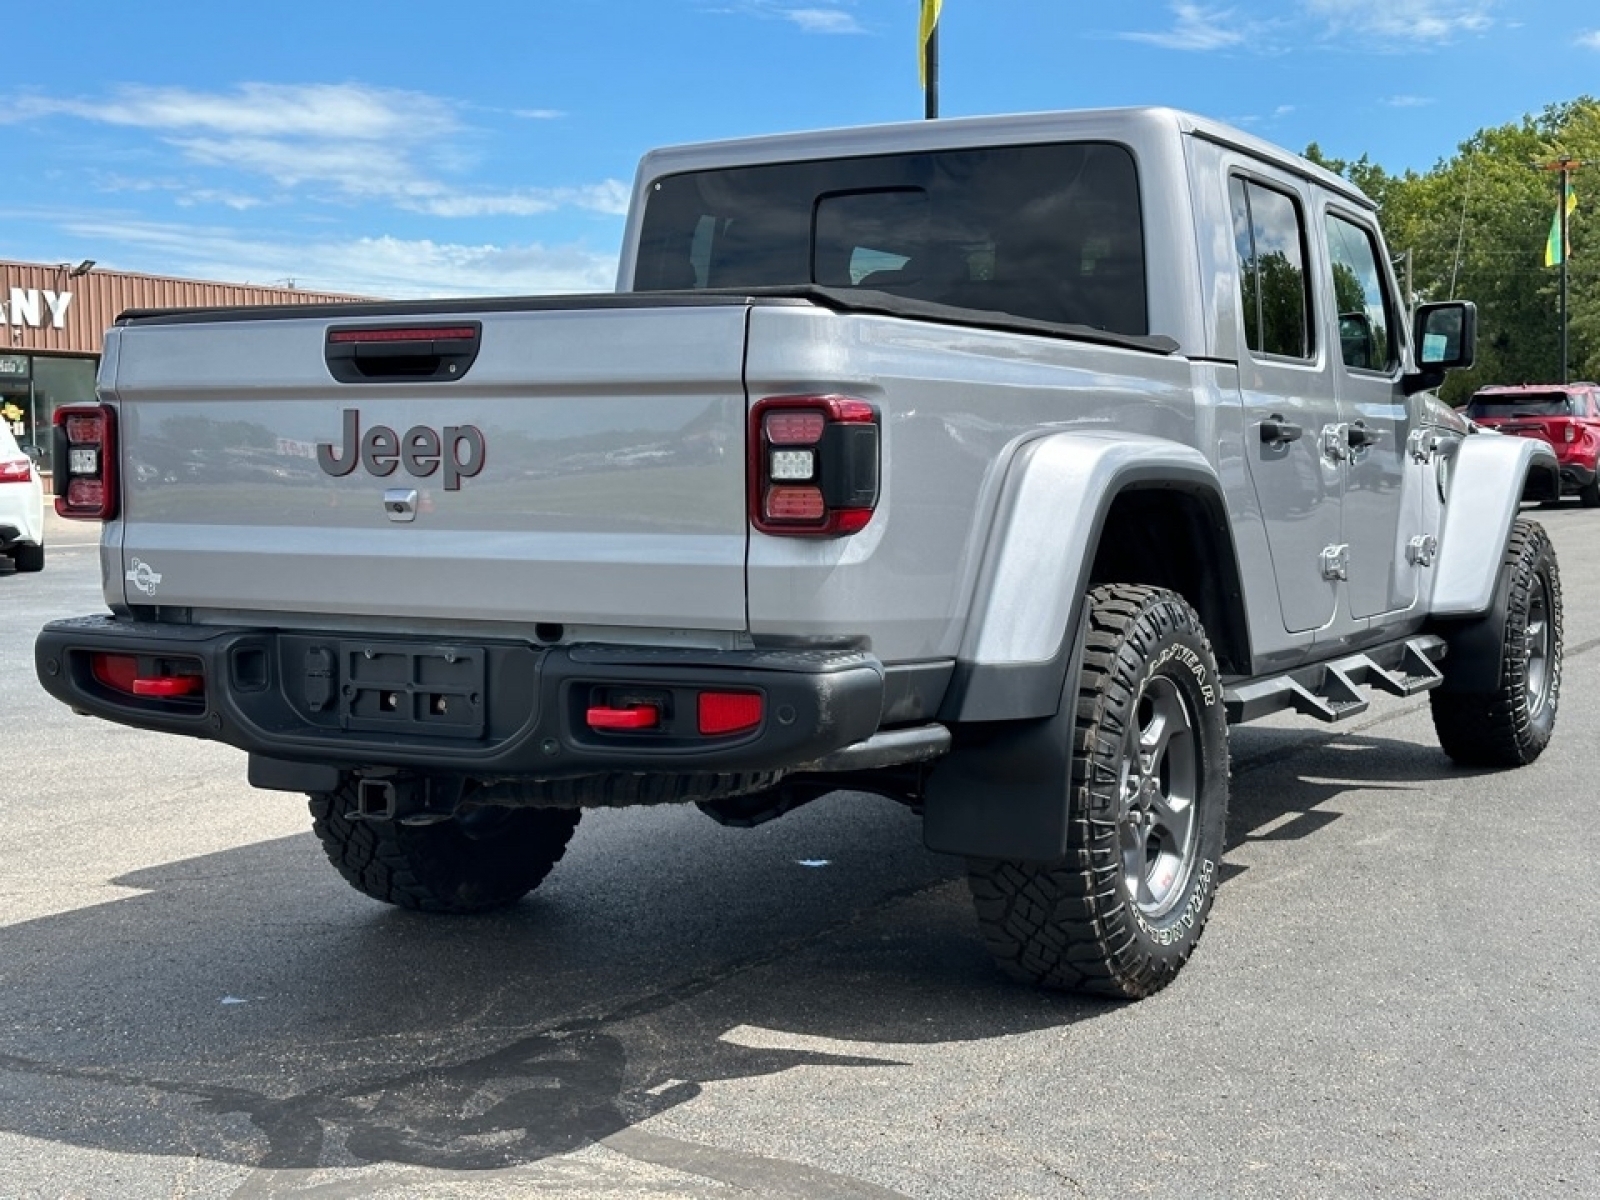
(1567, 415)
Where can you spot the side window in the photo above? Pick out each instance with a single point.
(1269, 238)
(1365, 310)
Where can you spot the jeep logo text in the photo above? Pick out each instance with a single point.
(459, 449)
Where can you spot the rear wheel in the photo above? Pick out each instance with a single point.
(483, 858)
(1511, 725)
(1589, 495)
(1120, 914)
(29, 558)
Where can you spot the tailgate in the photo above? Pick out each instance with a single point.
(581, 465)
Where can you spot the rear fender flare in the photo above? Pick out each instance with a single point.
(1017, 649)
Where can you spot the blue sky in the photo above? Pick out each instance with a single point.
(395, 148)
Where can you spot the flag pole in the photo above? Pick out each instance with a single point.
(1564, 167)
(1566, 183)
(928, 56)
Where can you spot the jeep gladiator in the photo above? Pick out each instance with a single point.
(992, 465)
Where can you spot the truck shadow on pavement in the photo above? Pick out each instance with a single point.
(249, 1009)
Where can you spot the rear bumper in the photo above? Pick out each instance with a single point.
(1575, 476)
(481, 709)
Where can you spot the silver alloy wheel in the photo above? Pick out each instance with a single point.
(1159, 784)
(1538, 643)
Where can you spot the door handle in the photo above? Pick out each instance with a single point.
(1275, 431)
(1359, 436)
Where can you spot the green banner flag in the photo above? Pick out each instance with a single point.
(1554, 248)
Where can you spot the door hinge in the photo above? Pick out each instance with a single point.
(1422, 444)
(1421, 549)
(1336, 562)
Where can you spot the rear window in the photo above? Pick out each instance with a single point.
(1051, 232)
(1525, 404)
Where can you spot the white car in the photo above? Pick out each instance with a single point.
(21, 506)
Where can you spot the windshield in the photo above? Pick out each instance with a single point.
(1524, 404)
(1050, 232)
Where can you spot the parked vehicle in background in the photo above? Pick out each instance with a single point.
(1567, 415)
(993, 466)
(21, 506)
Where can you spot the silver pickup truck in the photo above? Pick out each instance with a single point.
(994, 466)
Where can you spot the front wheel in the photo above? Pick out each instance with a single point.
(482, 859)
(1511, 725)
(1120, 914)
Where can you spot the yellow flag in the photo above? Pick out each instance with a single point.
(1555, 249)
(930, 18)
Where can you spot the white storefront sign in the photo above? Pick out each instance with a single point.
(33, 306)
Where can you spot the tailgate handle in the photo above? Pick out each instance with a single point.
(373, 353)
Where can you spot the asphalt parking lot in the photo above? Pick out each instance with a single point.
(1395, 995)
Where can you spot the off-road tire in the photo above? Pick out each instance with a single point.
(1120, 914)
(487, 858)
(28, 558)
(1511, 725)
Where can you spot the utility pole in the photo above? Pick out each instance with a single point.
(1564, 166)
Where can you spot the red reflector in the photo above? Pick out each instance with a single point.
(851, 520)
(795, 427)
(729, 712)
(639, 716)
(17, 471)
(168, 685)
(116, 671)
(795, 504)
(427, 334)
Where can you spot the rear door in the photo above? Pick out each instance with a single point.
(1285, 380)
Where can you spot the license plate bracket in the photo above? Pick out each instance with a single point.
(416, 688)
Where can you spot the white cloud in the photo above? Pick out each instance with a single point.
(538, 114)
(1197, 28)
(314, 111)
(823, 20)
(812, 18)
(351, 143)
(1591, 39)
(1404, 20)
(371, 266)
(1409, 101)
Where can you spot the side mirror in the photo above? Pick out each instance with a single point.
(33, 452)
(1446, 338)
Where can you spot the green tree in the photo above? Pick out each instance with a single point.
(1476, 224)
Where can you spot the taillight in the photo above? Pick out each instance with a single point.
(19, 470)
(813, 465)
(86, 462)
(1572, 432)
